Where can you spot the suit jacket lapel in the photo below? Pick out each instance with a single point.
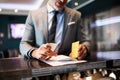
(45, 23)
(66, 21)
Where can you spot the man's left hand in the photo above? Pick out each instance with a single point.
(82, 51)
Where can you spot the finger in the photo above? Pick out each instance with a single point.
(40, 54)
(47, 46)
(52, 53)
(43, 57)
(43, 50)
(46, 53)
(82, 55)
(79, 47)
(81, 52)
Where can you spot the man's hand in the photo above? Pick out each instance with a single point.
(43, 52)
(82, 51)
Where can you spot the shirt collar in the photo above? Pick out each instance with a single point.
(50, 9)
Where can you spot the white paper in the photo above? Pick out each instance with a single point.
(62, 60)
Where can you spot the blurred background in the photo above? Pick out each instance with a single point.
(101, 19)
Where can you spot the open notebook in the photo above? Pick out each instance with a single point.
(62, 60)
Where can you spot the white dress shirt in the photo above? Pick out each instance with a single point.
(60, 23)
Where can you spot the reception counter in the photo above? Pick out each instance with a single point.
(17, 68)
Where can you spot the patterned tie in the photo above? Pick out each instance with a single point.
(51, 37)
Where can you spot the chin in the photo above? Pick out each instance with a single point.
(59, 6)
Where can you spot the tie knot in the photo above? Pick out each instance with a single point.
(56, 12)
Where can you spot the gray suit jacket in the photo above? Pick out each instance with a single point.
(36, 31)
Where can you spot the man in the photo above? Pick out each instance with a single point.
(35, 42)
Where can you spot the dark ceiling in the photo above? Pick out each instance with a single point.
(91, 8)
(97, 6)
(18, 1)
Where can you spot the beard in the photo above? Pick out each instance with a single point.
(56, 4)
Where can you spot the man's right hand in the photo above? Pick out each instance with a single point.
(43, 52)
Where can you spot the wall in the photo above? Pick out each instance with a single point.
(5, 41)
(104, 29)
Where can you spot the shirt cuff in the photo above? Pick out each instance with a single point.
(30, 52)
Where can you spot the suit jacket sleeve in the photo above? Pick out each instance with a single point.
(27, 42)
